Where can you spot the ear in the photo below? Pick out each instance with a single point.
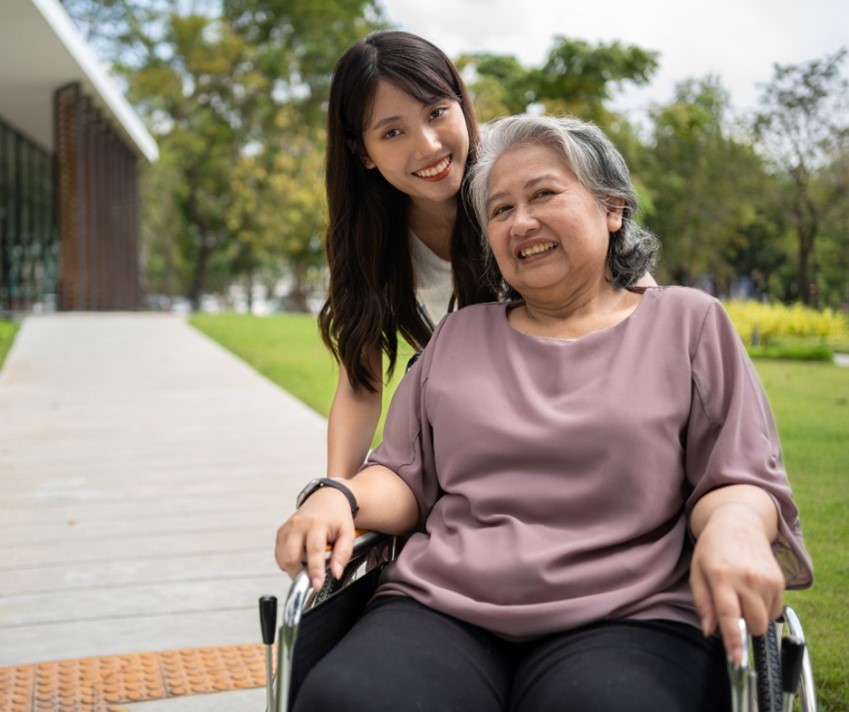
(614, 207)
(355, 149)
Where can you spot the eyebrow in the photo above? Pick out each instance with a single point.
(530, 184)
(383, 122)
(390, 119)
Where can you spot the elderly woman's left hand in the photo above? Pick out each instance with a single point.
(734, 574)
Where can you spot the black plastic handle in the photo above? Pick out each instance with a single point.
(268, 618)
(792, 653)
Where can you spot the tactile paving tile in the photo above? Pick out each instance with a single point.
(100, 684)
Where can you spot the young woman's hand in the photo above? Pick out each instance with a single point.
(734, 573)
(323, 521)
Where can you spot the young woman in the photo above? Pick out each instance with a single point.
(402, 247)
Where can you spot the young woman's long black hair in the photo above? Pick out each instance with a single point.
(371, 295)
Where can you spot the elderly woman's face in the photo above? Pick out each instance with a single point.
(546, 230)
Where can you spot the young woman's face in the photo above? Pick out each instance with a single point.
(546, 230)
(421, 149)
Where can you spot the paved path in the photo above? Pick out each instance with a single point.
(143, 472)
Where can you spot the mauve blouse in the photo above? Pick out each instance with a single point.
(554, 478)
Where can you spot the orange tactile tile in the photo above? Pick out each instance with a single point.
(103, 684)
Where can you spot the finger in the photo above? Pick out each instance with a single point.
(316, 549)
(289, 550)
(756, 614)
(728, 614)
(341, 555)
(702, 600)
(762, 602)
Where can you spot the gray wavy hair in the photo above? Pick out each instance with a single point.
(632, 250)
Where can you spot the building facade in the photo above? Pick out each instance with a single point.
(70, 154)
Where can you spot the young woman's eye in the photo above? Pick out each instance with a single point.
(438, 111)
(392, 133)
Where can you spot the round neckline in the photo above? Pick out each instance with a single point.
(597, 333)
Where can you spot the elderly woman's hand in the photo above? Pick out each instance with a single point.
(324, 519)
(734, 573)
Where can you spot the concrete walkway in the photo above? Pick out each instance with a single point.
(143, 473)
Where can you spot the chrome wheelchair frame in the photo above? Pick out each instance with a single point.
(776, 666)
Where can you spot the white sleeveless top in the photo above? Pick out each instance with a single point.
(434, 285)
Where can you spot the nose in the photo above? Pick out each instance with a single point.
(427, 141)
(523, 221)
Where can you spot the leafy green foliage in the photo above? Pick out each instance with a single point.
(803, 127)
(709, 191)
(577, 78)
(235, 93)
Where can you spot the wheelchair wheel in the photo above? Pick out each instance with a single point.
(767, 660)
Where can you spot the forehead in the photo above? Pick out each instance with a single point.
(524, 162)
(390, 100)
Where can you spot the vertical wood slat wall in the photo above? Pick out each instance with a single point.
(96, 208)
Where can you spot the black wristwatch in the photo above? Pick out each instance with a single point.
(314, 486)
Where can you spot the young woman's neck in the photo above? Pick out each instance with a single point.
(434, 224)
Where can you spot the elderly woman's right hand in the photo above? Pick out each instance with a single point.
(323, 520)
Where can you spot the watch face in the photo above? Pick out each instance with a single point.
(312, 485)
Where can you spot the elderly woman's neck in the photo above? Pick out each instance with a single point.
(574, 316)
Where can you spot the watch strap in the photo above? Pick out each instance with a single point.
(335, 484)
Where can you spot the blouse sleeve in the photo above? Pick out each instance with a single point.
(732, 437)
(407, 445)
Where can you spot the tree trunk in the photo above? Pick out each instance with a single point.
(199, 274)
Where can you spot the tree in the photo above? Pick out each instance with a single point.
(801, 126)
(577, 78)
(708, 191)
(212, 79)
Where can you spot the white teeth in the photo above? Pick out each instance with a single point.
(435, 170)
(536, 249)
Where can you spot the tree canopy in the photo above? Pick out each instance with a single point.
(235, 93)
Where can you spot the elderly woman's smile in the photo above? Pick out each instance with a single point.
(537, 248)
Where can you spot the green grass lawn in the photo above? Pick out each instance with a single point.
(8, 329)
(811, 404)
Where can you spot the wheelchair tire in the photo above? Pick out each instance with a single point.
(767, 659)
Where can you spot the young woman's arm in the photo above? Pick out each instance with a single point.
(353, 419)
(386, 504)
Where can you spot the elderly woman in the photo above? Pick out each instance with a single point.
(590, 475)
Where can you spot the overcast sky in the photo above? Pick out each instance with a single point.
(737, 40)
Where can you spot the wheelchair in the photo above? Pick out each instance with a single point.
(776, 668)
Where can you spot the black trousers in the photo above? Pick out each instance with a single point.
(403, 656)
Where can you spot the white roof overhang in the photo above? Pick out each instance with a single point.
(41, 51)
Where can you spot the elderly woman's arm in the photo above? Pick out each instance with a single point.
(386, 504)
(734, 572)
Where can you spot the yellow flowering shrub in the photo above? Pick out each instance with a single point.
(765, 324)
